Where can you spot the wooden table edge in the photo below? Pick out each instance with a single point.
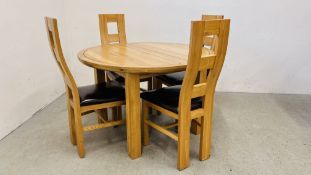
(152, 70)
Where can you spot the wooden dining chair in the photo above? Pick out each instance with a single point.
(176, 78)
(193, 99)
(81, 100)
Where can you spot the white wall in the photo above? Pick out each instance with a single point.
(28, 74)
(269, 39)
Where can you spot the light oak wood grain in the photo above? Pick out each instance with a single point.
(142, 58)
(137, 60)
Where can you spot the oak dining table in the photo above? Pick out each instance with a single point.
(135, 61)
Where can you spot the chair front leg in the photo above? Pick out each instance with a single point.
(195, 128)
(79, 133)
(145, 111)
(183, 141)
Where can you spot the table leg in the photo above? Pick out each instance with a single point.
(132, 91)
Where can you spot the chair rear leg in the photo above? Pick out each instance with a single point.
(71, 119)
(79, 133)
(117, 114)
(103, 113)
(156, 83)
(149, 84)
(101, 77)
(183, 142)
(145, 111)
(206, 135)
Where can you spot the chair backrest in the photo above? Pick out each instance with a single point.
(53, 35)
(107, 38)
(202, 63)
(211, 40)
(211, 17)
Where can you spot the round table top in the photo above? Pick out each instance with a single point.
(137, 57)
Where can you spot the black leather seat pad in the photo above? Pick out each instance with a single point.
(168, 98)
(172, 78)
(101, 93)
